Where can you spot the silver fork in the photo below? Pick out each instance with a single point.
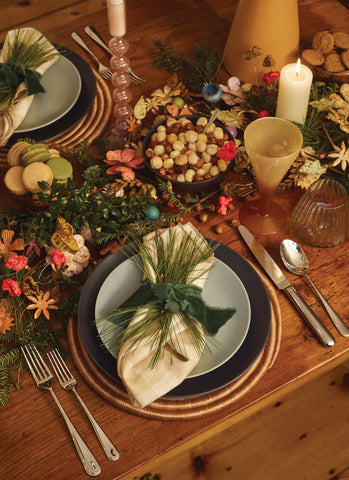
(44, 379)
(68, 382)
(102, 69)
(92, 33)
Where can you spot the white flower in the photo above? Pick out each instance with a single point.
(341, 155)
(233, 93)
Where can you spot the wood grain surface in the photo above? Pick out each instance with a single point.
(34, 443)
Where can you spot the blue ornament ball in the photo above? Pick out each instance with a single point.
(152, 212)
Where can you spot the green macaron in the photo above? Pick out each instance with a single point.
(61, 168)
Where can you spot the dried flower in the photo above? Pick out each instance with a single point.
(29, 286)
(32, 245)
(228, 152)
(6, 319)
(223, 203)
(235, 117)
(308, 173)
(341, 155)
(162, 97)
(7, 247)
(263, 113)
(12, 287)
(16, 263)
(58, 258)
(124, 161)
(269, 77)
(42, 303)
(234, 93)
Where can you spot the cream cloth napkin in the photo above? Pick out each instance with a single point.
(145, 384)
(14, 116)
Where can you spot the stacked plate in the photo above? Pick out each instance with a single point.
(70, 89)
(232, 282)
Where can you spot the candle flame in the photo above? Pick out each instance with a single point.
(298, 67)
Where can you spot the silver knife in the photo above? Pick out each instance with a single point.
(283, 283)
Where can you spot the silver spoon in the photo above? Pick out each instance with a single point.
(296, 262)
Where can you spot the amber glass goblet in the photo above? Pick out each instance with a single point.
(272, 144)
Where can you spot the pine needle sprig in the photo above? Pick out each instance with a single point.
(29, 51)
(193, 73)
(176, 262)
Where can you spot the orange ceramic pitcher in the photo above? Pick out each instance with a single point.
(271, 25)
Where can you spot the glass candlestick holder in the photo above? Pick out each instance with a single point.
(122, 95)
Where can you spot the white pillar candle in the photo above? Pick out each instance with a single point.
(116, 17)
(294, 91)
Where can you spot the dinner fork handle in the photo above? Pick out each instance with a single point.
(88, 460)
(110, 450)
(91, 32)
(79, 41)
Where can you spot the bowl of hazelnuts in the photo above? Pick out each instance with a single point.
(180, 150)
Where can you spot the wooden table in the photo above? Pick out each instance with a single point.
(33, 442)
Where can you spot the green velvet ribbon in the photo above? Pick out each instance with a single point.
(11, 75)
(179, 298)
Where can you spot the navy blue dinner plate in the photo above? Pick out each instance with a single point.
(226, 373)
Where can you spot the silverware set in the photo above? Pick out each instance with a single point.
(103, 70)
(293, 259)
(44, 379)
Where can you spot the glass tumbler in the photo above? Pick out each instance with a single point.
(320, 217)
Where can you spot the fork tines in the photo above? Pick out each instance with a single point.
(36, 364)
(59, 366)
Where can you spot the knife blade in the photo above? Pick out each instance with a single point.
(283, 283)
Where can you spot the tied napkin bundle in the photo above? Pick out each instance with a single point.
(169, 320)
(25, 57)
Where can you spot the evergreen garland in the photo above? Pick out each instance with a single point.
(193, 73)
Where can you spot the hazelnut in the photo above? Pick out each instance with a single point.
(218, 228)
(149, 153)
(168, 149)
(214, 171)
(203, 217)
(156, 162)
(168, 163)
(198, 178)
(181, 159)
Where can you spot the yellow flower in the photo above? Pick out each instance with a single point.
(42, 303)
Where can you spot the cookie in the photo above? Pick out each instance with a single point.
(13, 180)
(313, 57)
(345, 58)
(333, 63)
(37, 152)
(323, 42)
(61, 169)
(54, 152)
(36, 172)
(14, 156)
(341, 39)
